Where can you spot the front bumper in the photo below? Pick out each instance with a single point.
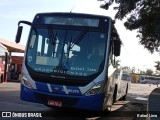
(93, 102)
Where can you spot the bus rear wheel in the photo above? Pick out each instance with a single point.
(114, 95)
(124, 97)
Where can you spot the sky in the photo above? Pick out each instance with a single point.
(12, 11)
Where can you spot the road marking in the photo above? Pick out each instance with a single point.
(142, 98)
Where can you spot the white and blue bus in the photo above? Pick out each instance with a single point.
(70, 62)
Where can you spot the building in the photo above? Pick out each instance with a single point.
(10, 60)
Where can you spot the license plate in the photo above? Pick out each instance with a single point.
(55, 103)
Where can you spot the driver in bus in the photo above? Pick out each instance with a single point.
(96, 52)
(95, 58)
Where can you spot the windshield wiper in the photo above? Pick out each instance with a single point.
(52, 37)
(78, 38)
(70, 45)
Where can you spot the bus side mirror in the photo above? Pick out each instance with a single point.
(19, 33)
(117, 47)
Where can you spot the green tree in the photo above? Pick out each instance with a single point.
(142, 15)
(157, 66)
(149, 72)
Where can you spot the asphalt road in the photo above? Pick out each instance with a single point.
(122, 110)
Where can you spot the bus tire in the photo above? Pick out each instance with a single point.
(124, 97)
(114, 95)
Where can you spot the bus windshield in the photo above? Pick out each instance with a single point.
(66, 52)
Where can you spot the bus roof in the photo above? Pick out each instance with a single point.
(71, 14)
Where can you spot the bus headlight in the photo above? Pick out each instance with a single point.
(26, 82)
(95, 89)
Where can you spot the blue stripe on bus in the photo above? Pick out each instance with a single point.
(27, 94)
(94, 102)
(57, 89)
(73, 90)
(42, 86)
(69, 90)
